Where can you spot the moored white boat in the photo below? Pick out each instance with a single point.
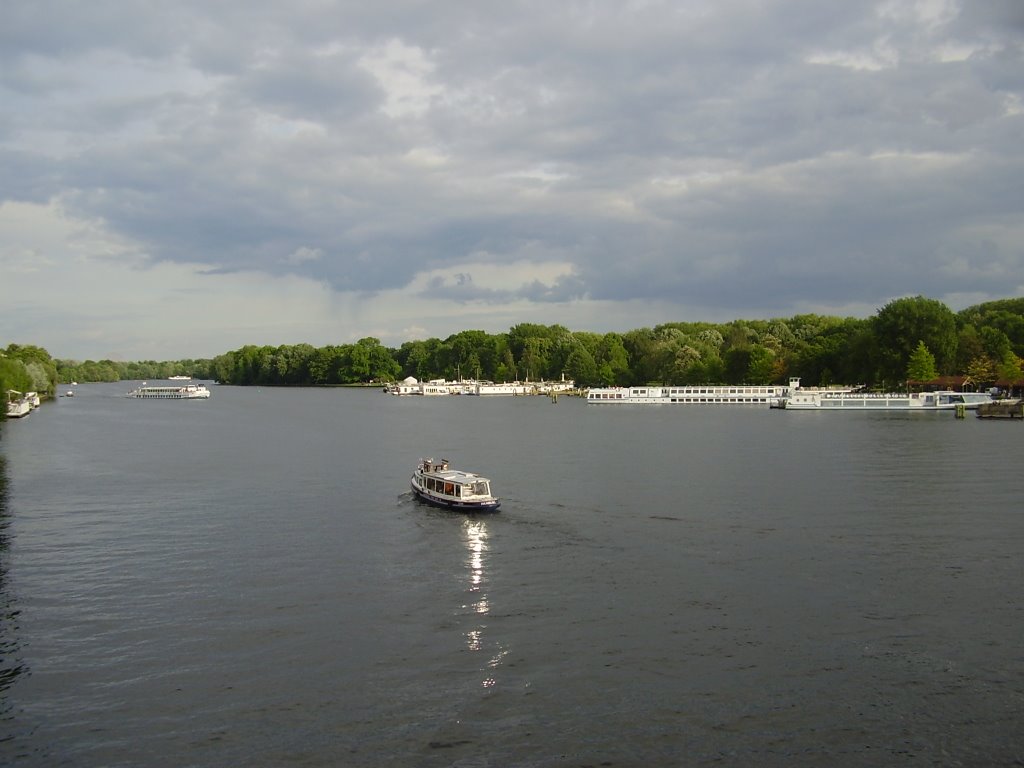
(697, 394)
(891, 401)
(436, 483)
(174, 392)
(437, 387)
(18, 406)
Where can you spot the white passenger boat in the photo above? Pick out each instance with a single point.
(436, 387)
(18, 405)
(436, 483)
(946, 400)
(407, 386)
(698, 394)
(174, 392)
(508, 388)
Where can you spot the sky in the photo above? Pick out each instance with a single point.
(178, 180)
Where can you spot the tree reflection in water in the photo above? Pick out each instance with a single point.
(10, 665)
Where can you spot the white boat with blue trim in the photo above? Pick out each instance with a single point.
(435, 482)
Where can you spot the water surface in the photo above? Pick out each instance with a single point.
(247, 581)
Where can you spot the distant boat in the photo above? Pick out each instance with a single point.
(178, 392)
(436, 483)
(179, 378)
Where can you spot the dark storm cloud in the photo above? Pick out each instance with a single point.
(751, 156)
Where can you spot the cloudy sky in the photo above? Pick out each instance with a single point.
(180, 179)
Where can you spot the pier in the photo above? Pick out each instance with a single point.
(1002, 409)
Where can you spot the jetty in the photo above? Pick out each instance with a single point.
(1001, 409)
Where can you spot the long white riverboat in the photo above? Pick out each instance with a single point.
(812, 400)
(698, 394)
(436, 387)
(173, 392)
(435, 482)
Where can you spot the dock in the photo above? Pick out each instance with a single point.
(1002, 409)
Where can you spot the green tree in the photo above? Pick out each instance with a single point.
(968, 346)
(382, 364)
(921, 367)
(902, 323)
(13, 375)
(737, 363)
(640, 345)
(613, 361)
(982, 372)
(41, 368)
(581, 367)
(761, 368)
(1010, 369)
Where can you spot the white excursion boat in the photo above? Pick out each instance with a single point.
(819, 400)
(18, 405)
(174, 392)
(436, 483)
(407, 386)
(702, 394)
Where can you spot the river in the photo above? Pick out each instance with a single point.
(247, 581)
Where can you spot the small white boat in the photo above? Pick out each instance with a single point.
(179, 392)
(18, 406)
(436, 483)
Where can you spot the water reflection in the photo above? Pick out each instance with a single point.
(10, 666)
(475, 535)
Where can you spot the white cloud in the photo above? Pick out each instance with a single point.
(404, 72)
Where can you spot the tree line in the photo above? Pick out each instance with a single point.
(913, 339)
(26, 368)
